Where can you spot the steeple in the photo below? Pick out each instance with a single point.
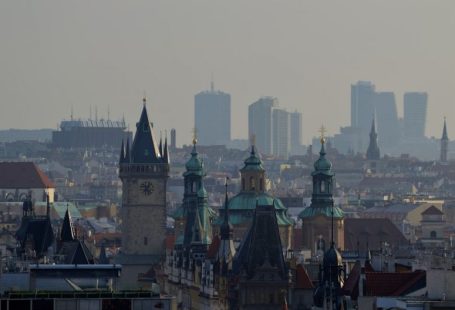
(160, 147)
(373, 152)
(166, 151)
(444, 143)
(253, 173)
(127, 151)
(67, 232)
(226, 227)
(122, 153)
(144, 149)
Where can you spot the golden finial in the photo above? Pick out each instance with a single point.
(194, 136)
(322, 131)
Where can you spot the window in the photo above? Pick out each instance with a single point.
(252, 184)
(243, 184)
(433, 234)
(145, 241)
(322, 186)
(261, 184)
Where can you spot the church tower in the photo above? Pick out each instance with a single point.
(373, 152)
(317, 218)
(444, 144)
(144, 170)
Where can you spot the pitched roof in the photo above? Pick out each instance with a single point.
(144, 148)
(40, 229)
(23, 175)
(302, 280)
(394, 283)
(351, 286)
(432, 211)
(213, 248)
(262, 244)
(360, 233)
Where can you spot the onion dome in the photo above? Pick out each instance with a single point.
(322, 165)
(253, 162)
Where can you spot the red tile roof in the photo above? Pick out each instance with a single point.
(303, 281)
(23, 175)
(394, 283)
(358, 233)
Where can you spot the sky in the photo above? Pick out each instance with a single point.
(55, 55)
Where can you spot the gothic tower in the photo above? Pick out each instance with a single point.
(373, 152)
(444, 144)
(317, 218)
(144, 170)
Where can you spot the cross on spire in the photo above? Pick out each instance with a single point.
(322, 131)
(194, 135)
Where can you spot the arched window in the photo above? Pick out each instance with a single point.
(322, 187)
(252, 184)
(433, 234)
(192, 187)
(243, 184)
(261, 185)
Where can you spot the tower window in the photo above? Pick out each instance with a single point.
(322, 187)
(243, 184)
(145, 241)
(261, 185)
(252, 184)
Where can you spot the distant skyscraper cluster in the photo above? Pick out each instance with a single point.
(276, 131)
(368, 104)
(212, 116)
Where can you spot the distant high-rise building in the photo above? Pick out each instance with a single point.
(295, 131)
(415, 113)
(361, 104)
(444, 143)
(173, 139)
(212, 117)
(385, 109)
(281, 133)
(260, 123)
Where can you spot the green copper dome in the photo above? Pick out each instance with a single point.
(253, 162)
(322, 165)
(325, 211)
(194, 165)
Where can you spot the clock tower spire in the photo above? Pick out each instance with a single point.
(144, 173)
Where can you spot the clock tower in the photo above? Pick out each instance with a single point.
(144, 170)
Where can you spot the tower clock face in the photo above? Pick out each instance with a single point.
(146, 188)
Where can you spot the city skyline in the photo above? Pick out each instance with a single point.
(92, 54)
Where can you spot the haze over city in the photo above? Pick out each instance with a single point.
(307, 54)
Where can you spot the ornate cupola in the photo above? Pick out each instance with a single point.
(317, 217)
(322, 180)
(253, 173)
(373, 152)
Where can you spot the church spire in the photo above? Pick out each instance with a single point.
(373, 152)
(166, 150)
(122, 153)
(127, 151)
(444, 143)
(67, 232)
(144, 149)
(226, 227)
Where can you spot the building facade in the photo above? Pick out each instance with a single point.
(260, 123)
(212, 117)
(415, 114)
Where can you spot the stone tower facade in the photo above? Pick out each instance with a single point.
(144, 170)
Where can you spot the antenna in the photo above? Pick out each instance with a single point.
(96, 114)
(212, 83)
(72, 112)
(108, 112)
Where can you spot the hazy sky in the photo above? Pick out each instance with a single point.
(55, 54)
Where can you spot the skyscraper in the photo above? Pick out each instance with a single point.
(212, 116)
(295, 131)
(281, 133)
(415, 113)
(260, 123)
(385, 109)
(361, 104)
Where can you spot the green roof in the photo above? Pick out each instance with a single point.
(325, 211)
(60, 208)
(178, 213)
(248, 201)
(253, 162)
